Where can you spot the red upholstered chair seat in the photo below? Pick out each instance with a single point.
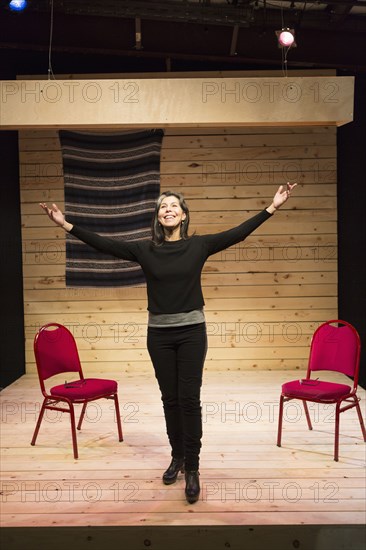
(89, 388)
(315, 389)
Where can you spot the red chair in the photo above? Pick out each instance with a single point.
(56, 353)
(336, 347)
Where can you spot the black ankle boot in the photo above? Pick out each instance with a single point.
(192, 486)
(171, 474)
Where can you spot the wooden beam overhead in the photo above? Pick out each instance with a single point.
(164, 102)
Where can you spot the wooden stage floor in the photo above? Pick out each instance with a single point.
(247, 482)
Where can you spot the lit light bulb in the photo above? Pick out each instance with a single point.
(17, 5)
(286, 38)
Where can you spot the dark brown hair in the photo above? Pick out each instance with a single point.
(158, 235)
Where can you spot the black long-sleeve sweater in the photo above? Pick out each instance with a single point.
(173, 269)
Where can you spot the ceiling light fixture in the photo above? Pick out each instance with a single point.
(286, 38)
(17, 5)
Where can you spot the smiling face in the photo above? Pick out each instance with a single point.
(170, 214)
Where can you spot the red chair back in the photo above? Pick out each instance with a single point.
(55, 351)
(335, 347)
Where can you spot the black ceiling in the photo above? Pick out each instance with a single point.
(175, 34)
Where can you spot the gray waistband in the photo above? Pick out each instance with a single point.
(176, 319)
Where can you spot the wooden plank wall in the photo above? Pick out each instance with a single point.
(264, 297)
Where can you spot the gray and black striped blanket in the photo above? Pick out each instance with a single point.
(111, 185)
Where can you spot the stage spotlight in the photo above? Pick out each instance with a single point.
(18, 5)
(286, 38)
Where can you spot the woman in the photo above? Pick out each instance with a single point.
(172, 263)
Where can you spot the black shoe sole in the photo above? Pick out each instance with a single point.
(173, 480)
(169, 481)
(192, 499)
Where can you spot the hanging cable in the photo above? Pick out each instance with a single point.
(50, 70)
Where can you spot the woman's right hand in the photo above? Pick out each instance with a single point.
(54, 213)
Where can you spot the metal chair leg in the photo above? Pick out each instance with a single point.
(280, 418)
(358, 409)
(73, 431)
(336, 434)
(39, 421)
(82, 415)
(307, 415)
(118, 418)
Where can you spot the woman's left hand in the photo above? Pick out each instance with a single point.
(283, 195)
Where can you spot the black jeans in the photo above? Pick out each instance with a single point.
(178, 355)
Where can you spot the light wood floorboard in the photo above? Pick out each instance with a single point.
(245, 478)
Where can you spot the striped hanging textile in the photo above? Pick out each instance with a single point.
(111, 185)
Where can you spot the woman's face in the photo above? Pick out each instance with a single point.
(170, 214)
